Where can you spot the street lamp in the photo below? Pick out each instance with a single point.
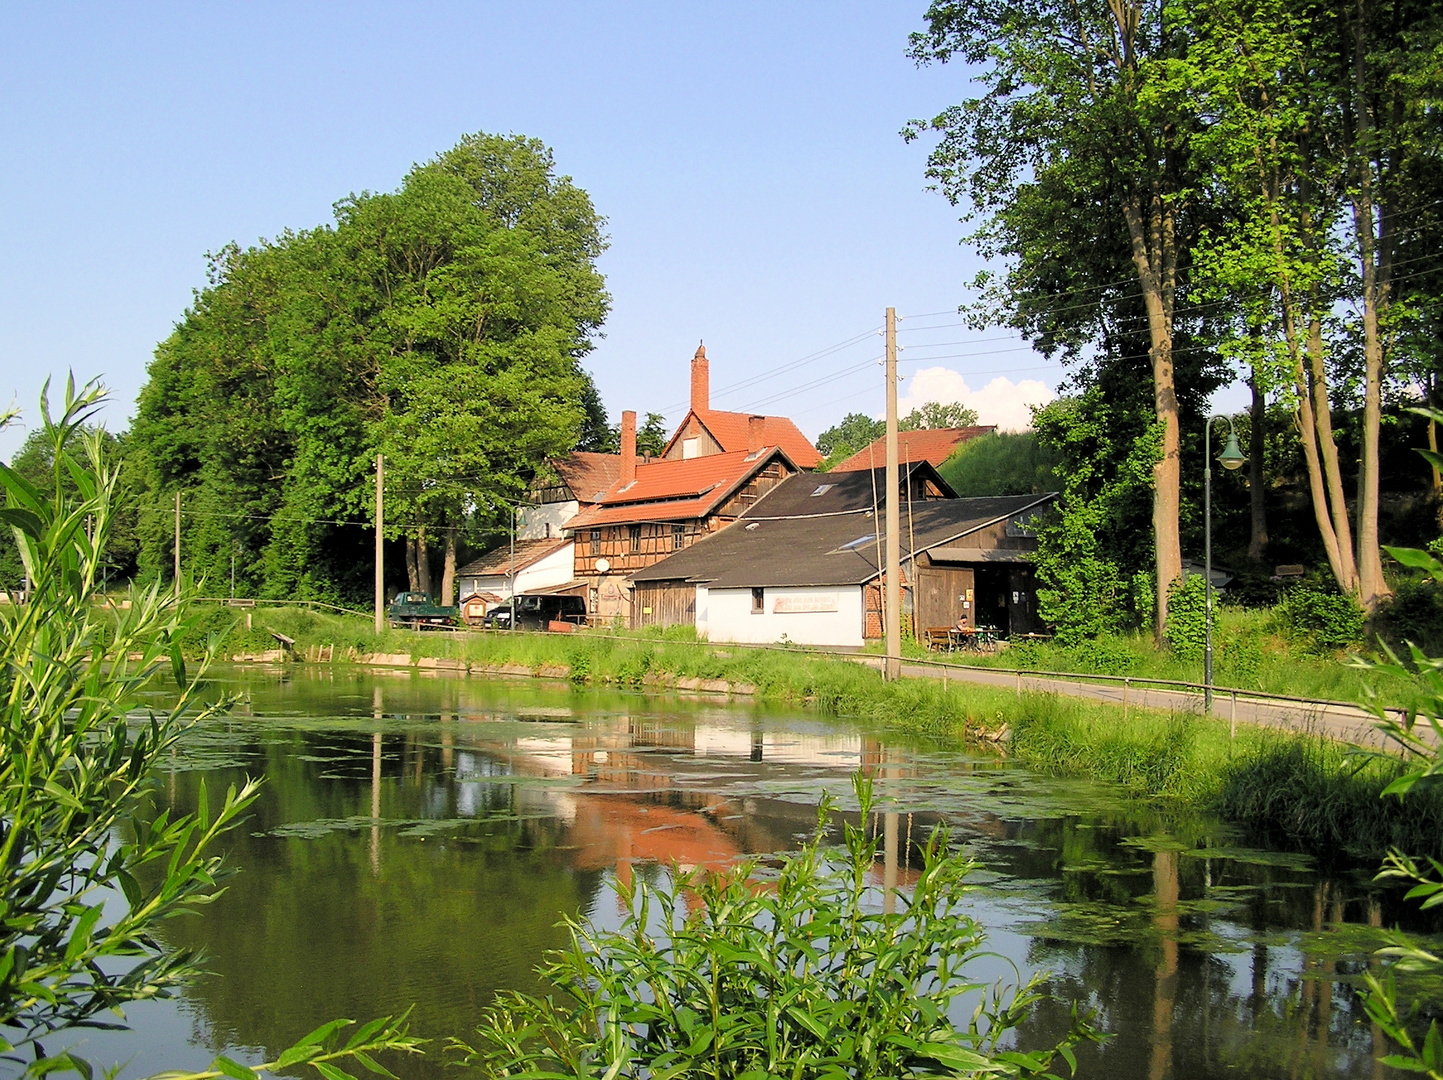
(1232, 459)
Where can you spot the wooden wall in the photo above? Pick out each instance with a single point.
(662, 603)
(940, 596)
(705, 445)
(656, 542)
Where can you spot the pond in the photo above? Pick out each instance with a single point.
(418, 839)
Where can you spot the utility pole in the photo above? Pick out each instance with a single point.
(892, 605)
(380, 554)
(177, 543)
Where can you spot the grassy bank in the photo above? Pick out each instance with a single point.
(1248, 654)
(1297, 791)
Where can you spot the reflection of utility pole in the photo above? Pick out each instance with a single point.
(892, 607)
(380, 553)
(377, 709)
(889, 863)
(177, 542)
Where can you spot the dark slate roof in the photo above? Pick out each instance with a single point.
(830, 548)
(814, 494)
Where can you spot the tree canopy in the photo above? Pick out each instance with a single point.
(442, 325)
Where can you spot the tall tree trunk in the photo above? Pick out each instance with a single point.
(1154, 254)
(1372, 586)
(1347, 570)
(1257, 448)
(423, 562)
(448, 572)
(413, 579)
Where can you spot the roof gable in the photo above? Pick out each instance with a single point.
(498, 561)
(668, 489)
(815, 494)
(587, 474)
(731, 430)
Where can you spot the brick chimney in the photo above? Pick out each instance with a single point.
(700, 382)
(628, 447)
(756, 432)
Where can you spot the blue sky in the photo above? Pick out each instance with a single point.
(758, 194)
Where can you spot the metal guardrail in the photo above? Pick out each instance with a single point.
(250, 602)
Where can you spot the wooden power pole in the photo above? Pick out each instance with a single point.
(177, 543)
(892, 604)
(380, 554)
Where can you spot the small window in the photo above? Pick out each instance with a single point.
(678, 537)
(689, 449)
(1020, 526)
(596, 541)
(759, 601)
(822, 489)
(850, 544)
(635, 532)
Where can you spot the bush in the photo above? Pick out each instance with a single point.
(1187, 617)
(799, 976)
(1414, 614)
(1319, 618)
(1102, 655)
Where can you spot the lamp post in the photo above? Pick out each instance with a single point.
(1232, 459)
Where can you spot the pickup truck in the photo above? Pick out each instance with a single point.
(415, 611)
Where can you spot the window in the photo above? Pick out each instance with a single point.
(635, 533)
(1020, 526)
(759, 601)
(689, 449)
(678, 537)
(596, 541)
(822, 489)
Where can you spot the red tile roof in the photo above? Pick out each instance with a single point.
(673, 490)
(587, 473)
(497, 562)
(730, 430)
(932, 445)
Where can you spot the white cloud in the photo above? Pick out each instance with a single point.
(1001, 401)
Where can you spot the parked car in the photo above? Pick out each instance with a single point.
(537, 612)
(415, 611)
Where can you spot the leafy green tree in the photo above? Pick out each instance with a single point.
(1002, 463)
(938, 414)
(855, 432)
(1078, 128)
(1324, 148)
(651, 439)
(1088, 558)
(442, 325)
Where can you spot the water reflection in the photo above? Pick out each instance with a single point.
(417, 841)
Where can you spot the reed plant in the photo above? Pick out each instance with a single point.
(806, 972)
(88, 872)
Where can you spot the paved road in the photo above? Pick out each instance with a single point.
(1344, 722)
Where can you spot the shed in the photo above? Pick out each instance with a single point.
(814, 578)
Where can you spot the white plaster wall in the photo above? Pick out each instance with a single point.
(556, 569)
(729, 616)
(532, 520)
